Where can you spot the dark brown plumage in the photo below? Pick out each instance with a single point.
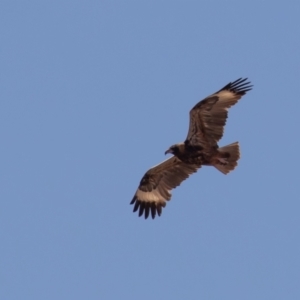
(207, 121)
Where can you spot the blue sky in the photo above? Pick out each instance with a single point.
(92, 94)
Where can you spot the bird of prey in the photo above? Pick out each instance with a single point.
(207, 121)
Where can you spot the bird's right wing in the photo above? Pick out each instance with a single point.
(156, 184)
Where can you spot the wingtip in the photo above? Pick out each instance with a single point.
(133, 200)
(136, 206)
(240, 86)
(147, 208)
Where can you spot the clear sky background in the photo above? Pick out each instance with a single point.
(92, 94)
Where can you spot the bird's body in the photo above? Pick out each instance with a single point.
(207, 121)
(188, 153)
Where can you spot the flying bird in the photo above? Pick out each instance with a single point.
(207, 121)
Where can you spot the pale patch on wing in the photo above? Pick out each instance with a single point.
(153, 196)
(227, 95)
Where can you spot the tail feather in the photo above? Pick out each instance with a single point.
(227, 158)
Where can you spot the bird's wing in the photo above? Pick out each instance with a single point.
(156, 184)
(208, 117)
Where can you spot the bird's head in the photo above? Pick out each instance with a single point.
(174, 149)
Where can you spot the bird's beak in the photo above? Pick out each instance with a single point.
(168, 151)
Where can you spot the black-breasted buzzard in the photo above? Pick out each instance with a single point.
(207, 121)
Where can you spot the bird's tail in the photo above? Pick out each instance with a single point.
(227, 158)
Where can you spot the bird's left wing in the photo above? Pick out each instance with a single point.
(208, 117)
(156, 184)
